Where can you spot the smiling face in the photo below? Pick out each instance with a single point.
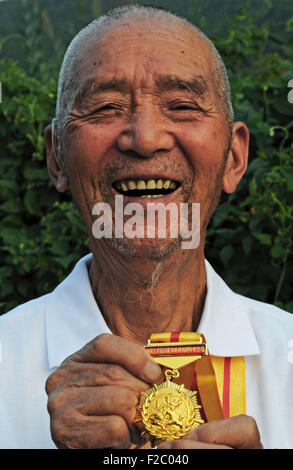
(146, 123)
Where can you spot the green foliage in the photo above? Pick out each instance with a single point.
(41, 237)
(250, 237)
(249, 240)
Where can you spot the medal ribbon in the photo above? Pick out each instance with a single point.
(198, 374)
(212, 376)
(230, 375)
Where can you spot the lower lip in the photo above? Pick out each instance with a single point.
(144, 201)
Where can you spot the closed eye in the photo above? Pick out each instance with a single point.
(106, 107)
(186, 107)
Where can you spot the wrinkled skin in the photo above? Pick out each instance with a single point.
(160, 116)
(238, 432)
(93, 394)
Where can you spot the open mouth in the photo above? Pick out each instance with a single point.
(146, 188)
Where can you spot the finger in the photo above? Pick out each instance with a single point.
(102, 401)
(190, 444)
(93, 375)
(91, 432)
(107, 348)
(240, 432)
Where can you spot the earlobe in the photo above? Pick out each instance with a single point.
(55, 168)
(237, 159)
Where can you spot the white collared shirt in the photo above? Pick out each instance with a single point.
(38, 335)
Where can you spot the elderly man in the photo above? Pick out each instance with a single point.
(143, 111)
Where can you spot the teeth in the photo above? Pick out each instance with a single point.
(140, 184)
(152, 184)
(152, 195)
(131, 184)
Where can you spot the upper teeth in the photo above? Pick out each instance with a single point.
(126, 185)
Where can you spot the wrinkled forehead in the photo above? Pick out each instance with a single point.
(130, 48)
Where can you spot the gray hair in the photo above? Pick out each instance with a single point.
(69, 73)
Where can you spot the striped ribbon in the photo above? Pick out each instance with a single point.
(230, 376)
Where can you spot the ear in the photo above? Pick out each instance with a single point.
(56, 169)
(237, 159)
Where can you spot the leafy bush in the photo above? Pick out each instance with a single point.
(249, 240)
(250, 237)
(41, 236)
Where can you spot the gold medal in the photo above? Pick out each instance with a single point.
(167, 411)
(170, 410)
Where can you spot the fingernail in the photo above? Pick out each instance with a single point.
(152, 371)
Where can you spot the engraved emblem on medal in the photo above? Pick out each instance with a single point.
(167, 411)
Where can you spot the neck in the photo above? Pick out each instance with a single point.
(139, 296)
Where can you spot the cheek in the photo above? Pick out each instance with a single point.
(86, 149)
(205, 148)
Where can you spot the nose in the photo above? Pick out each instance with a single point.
(146, 134)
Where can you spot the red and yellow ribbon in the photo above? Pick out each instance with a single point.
(230, 376)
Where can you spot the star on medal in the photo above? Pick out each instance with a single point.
(167, 411)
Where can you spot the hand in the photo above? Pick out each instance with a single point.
(93, 394)
(238, 432)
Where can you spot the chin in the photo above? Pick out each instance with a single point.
(144, 248)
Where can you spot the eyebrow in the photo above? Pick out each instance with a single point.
(91, 86)
(197, 84)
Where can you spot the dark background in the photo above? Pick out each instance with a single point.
(249, 240)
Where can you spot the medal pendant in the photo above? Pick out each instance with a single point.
(167, 411)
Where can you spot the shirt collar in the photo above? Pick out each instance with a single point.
(225, 321)
(73, 317)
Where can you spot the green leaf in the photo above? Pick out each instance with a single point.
(12, 206)
(277, 251)
(7, 187)
(226, 253)
(11, 220)
(31, 201)
(6, 288)
(12, 236)
(264, 238)
(247, 244)
(253, 187)
(31, 173)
